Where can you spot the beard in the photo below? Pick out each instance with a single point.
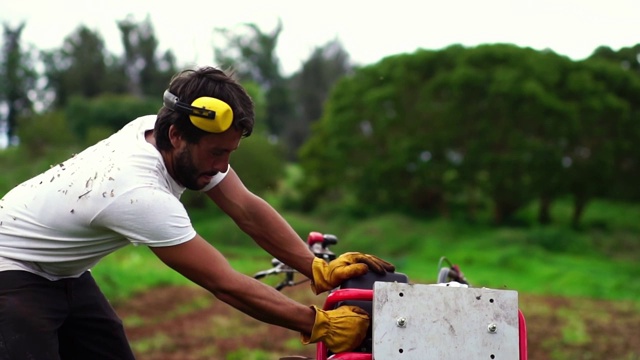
(185, 170)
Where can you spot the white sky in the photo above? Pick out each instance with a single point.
(369, 30)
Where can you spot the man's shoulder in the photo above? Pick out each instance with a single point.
(125, 158)
(142, 123)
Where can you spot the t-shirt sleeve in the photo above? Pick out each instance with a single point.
(215, 180)
(148, 216)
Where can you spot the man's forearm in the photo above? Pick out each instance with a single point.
(266, 304)
(274, 234)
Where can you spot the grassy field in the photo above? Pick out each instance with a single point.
(574, 285)
(599, 262)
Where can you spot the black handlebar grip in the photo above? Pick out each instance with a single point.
(329, 239)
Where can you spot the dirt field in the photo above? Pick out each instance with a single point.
(186, 323)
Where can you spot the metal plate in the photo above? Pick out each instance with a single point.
(420, 322)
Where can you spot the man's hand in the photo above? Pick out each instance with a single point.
(327, 276)
(341, 329)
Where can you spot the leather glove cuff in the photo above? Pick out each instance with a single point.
(319, 284)
(320, 327)
(341, 329)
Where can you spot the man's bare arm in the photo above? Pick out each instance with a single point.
(200, 262)
(262, 222)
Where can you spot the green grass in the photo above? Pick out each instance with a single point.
(249, 354)
(603, 215)
(131, 270)
(158, 342)
(554, 259)
(498, 258)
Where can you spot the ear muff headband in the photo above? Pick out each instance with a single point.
(206, 113)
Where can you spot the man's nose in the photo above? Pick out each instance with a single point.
(221, 164)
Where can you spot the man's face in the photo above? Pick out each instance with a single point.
(195, 164)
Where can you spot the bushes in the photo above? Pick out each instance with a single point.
(107, 111)
(42, 133)
(259, 163)
(558, 240)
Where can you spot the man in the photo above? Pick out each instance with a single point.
(125, 189)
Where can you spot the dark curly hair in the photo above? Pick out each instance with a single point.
(191, 84)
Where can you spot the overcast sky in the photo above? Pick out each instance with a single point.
(369, 30)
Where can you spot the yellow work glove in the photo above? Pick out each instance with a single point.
(327, 276)
(341, 329)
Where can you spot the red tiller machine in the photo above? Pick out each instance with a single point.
(446, 320)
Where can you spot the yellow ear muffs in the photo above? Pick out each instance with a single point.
(222, 114)
(206, 113)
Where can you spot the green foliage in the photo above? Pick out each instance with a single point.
(311, 87)
(613, 215)
(19, 78)
(79, 67)
(45, 132)
(19, 163)
(288, 195)
(259, 104)
(626, 57)
(430, 132)
(252, 57)
(107, 111)
(83, 67)
(96, 133)
(141, 47)
(259, 163)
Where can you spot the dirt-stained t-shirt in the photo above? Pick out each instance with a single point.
(116, 192)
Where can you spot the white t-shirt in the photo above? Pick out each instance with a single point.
(116, 192)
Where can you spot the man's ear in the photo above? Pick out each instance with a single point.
(175, 137)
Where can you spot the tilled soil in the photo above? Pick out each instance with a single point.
(187, 323)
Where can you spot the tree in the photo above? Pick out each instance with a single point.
(147, 73)
(78, 68)
(107, 111)
(19, 76)
(627, 57)
(423, 132)
(311, 87)
(600, 156)
(253, 58)
(368, 149)
(628, 135)
(504, 103)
